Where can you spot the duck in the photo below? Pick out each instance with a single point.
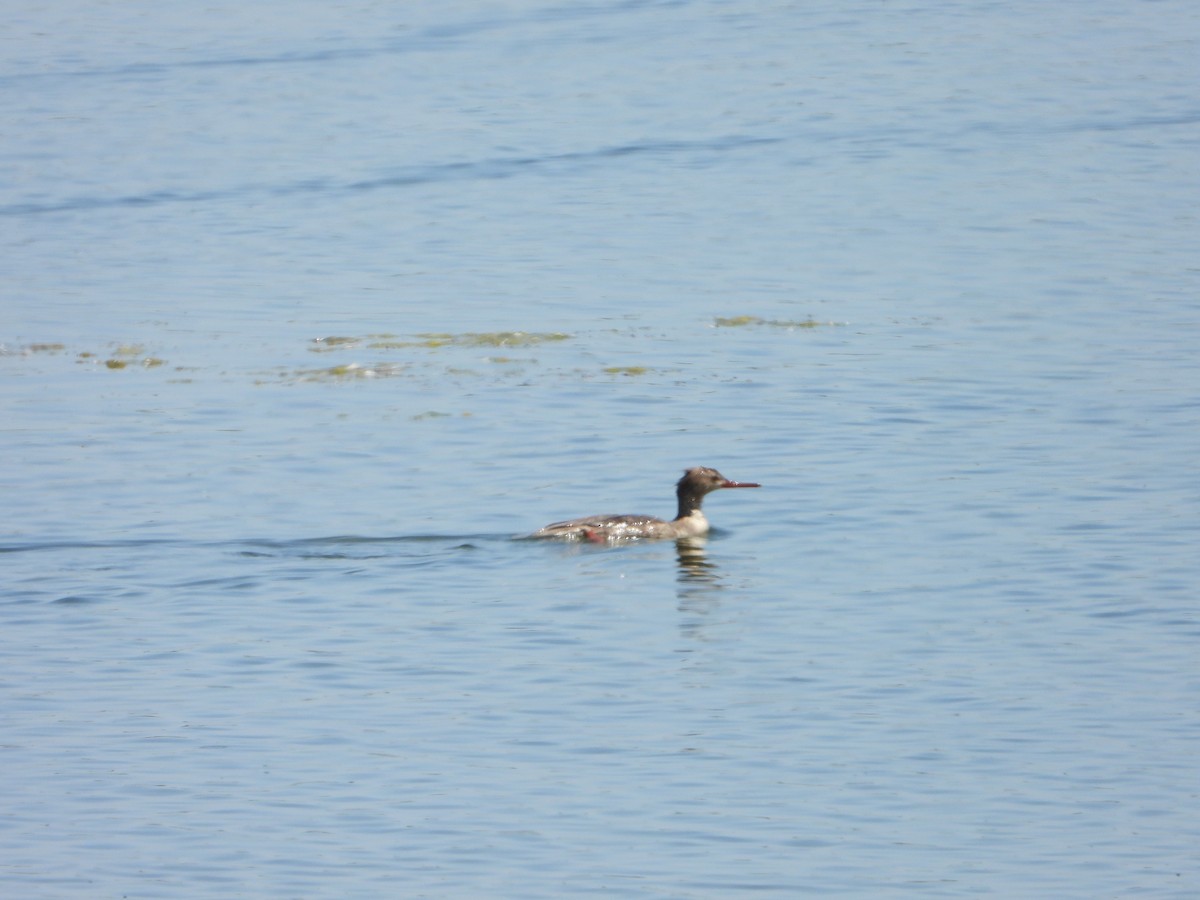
(689, 522)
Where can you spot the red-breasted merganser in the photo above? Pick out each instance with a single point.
(690, 521)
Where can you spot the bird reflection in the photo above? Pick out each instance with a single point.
(695, 571)
(699, 586)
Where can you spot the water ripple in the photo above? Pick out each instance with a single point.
(409, 176)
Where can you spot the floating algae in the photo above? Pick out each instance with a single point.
(434, 340)
(150, 362)
(348, 372)
(740, 321)
(491, 339)
(126, 355)
(628, 371)
(325, 344)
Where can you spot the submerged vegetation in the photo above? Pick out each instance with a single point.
(346, 372)
(492, 339)
(323, 344)
(456, 358)
(435, 340)
(741, 321)
(384, 343)
(125, 355)
(119, 356)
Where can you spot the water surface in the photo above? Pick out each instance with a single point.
(311, 309)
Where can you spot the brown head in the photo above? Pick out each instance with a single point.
(699, 481)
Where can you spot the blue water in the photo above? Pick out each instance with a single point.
(311, 308)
